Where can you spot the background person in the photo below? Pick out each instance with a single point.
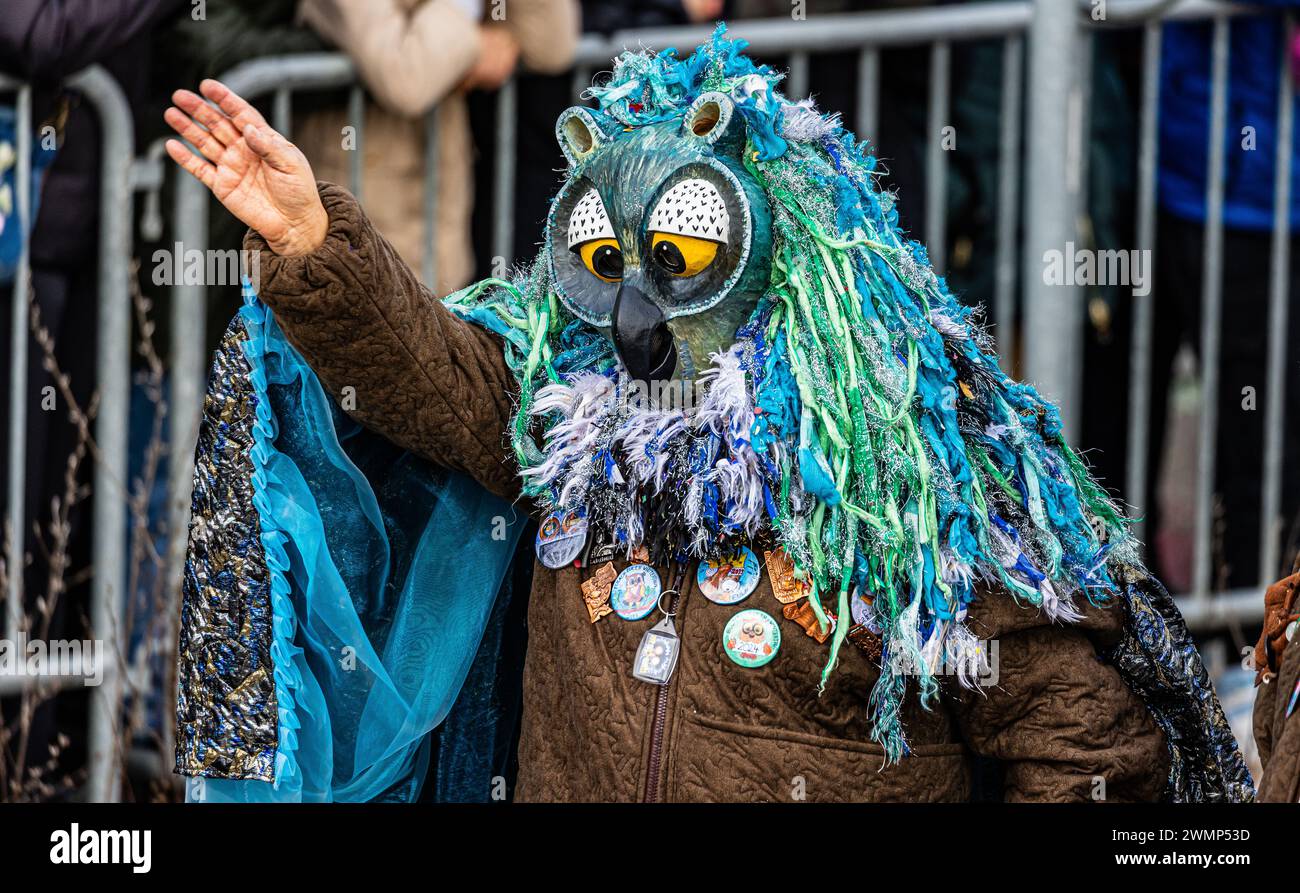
(414, 56)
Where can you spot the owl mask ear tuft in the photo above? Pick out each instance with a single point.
(712, 119)
(578, 134)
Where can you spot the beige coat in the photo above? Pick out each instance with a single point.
(412, 55)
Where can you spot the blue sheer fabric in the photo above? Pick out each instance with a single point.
(476, 745)
(384, 571)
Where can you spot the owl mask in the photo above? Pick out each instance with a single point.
(660, 238)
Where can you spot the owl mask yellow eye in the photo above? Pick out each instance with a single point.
(603, 258)
(682, 255)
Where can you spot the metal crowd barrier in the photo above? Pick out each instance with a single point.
(1046, 62)
(1201, 607)
(113, 349)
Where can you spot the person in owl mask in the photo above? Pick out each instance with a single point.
(726, 356)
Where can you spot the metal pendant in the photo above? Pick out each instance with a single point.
(596, 589)
(802, 613)
(599, 550)
(780, 573)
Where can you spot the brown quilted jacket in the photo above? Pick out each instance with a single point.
(1062, 724)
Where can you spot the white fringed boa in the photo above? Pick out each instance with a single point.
(599, 415)
(592, 415)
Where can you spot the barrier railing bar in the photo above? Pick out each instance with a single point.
(114, 369)
(188, 317)
(357, 118)
(1053, 315)
(1211, 300)
(1119, 12)
(1139, 407)
(797, 83)
(71, 676)
(1127, 13)
(1004, 288)
(17, 478)
(1235, 606)
(282, 112)
(880, 28)
(827, 33)
(429, 257)
(936, 160)
(1270, 520)
(1080, 131)
(868, 94)
(317, 71)
(503, 187)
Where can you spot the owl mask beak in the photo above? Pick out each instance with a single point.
(642, 337)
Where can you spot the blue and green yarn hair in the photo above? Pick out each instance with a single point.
(926, 471)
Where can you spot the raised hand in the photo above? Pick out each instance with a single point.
(261, 177)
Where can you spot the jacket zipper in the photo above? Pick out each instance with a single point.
(655, 762)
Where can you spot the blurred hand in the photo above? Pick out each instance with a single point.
(497, 59)
(702, 10)
(261, 177)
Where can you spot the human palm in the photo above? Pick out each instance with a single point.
(257, 174)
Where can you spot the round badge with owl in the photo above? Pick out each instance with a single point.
(636, 592)
(751, 638)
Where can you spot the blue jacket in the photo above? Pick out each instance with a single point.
(1255, 45)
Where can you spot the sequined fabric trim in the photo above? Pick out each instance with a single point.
(226, 704)
(1159, 661)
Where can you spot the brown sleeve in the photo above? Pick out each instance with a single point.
(1277, 735)
(1276, 669)
(1261, 720)
(1062, 722)
(396, 359)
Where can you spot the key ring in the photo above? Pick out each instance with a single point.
(660, 603)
